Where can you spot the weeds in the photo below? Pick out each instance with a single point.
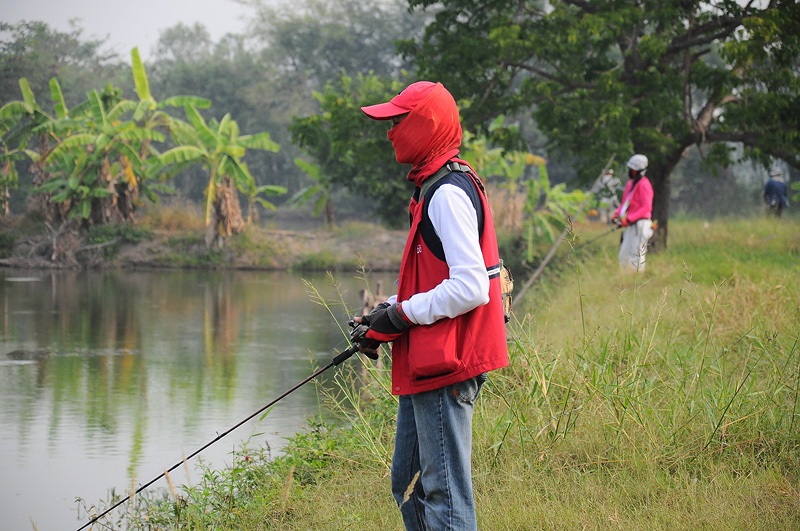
(174, 215)
(324, 260)
(129, 233)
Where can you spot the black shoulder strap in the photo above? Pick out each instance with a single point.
(458, 175)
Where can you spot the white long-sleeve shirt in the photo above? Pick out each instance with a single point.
(455, 221)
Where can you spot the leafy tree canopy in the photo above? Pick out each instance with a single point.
(351, 150)
(34, 51)
(310, 42)
(624, 76)
(267, 77)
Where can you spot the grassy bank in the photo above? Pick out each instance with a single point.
(665, 400)
(172, 236)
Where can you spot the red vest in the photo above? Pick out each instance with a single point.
(448, 351)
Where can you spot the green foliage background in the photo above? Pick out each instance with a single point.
(579, 83)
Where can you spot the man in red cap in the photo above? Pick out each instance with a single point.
(446, 323)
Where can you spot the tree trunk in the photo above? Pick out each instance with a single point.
(252, 213)
(329, 218)
(659, 175)
(226, 215)
(211, 228)
(53, 213)
(661, 189)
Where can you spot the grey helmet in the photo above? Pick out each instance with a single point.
(637, 163)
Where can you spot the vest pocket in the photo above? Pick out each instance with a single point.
(432, 349)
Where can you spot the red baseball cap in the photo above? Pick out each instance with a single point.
(403, 103)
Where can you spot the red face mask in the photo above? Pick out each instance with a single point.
(409, 139)
(429, 135)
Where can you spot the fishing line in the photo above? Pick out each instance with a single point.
(584, 244)
(562, 236)
(550, 257)
(340, 358)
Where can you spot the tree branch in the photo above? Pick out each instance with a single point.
(583, 5)
(702, 123)
(687, 69)
(752, 139)
(546, 75)
(704, 34)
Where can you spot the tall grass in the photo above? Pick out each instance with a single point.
(668, 399)
(172, 215)
(665, 400)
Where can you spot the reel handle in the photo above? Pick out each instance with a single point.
(356, 335)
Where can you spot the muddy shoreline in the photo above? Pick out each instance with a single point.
(348, 247)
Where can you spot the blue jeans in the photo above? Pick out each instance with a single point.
(434, 441)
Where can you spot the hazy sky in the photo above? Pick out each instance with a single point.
(129, 23)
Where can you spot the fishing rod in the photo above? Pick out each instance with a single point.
(358, 332)
(562, 236)
(612, 230)
(552, 252)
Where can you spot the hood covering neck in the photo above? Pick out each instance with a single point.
(429, 136)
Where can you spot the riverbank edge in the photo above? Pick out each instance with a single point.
(351, 246)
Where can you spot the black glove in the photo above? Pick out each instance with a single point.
(368, 346)
(385, 324)
(379, 307)
(357, 334)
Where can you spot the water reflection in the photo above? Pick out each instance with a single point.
(117, 374)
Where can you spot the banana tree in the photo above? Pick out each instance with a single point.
(11, 114)
(150, 115)
(320, 192)
(219, 148)
(549, 208)
(105, 159)
(96, 167)
(545, 209)
(148, 112)
(23, 135)
(256, 195)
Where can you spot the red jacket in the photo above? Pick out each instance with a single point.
(448, 351)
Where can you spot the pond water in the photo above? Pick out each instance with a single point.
(107, 378)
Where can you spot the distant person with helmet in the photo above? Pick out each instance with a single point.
(775, 193)
(606, 190)
(635, 215)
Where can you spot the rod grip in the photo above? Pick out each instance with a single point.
(345, 355)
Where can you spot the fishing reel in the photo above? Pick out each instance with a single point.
(359, 332)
